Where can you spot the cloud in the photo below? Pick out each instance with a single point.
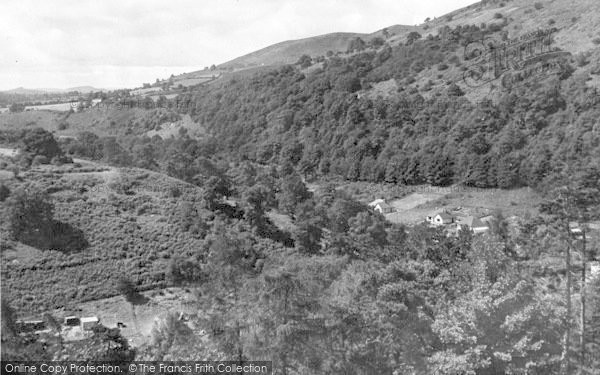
(72, 43)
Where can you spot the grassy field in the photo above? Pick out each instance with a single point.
(413, 203)
(477, 202)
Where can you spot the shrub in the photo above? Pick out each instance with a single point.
(538, 5)
(126, 288)
(63, 125)
(30, 216)
(551, 21)
(60, 160)
(581, 59)
(596, 40)
(442, 66)
(39, 159)
(498, 15)
(174, 192)
(40, 142)
(4, 192)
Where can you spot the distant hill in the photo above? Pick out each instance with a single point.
(289, 52)
(26, 91)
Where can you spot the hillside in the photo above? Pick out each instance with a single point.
(405, 112)
(233, 218)
(126, 232)
(27, 91)
(289, 52)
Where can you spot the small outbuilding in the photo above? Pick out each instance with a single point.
(90, 322)
(381, 206)
(473, 223)
(71, 321)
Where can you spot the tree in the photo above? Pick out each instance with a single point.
(215, 188)
(16, 107)
(304, 61)
(291, 325)
(30, 217)
(412, 37)
(356, 44)
(348, 83)
(230, 262)
(501, 325)
(9, 319)
(454, 90)
(253, 201)
(4, 192)
(307, 237)
(126, 288)
(40, 142)
(575, 199)
(341, 211)
(291, 193)
(114, 153)
(368, 228)
(168, 333)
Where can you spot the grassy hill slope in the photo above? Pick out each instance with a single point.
(130, 219)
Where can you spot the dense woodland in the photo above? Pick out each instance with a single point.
(344, 292)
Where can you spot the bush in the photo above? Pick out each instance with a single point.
(30, 216)
(4, 192)
(40, 142)
(538, 5)
(596, 40)
(63, 125)
(551, 21)
(498, 15)
(39, 159)
(174, 192)
(581, 59)
(60, 160)
(442, 66)
(126, 288)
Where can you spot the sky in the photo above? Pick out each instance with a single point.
(124, 43)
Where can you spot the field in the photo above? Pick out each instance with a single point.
(59, 107)
(477, 202)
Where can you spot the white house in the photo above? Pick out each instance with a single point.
(89, 322)
(441, 218)
(380, 205)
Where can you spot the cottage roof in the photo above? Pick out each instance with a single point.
(376, 202)
(445, 216)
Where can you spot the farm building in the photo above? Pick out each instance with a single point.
(441, 218)
(473, 223)
(30, 325)
(71, 321)
(89, 322)
(381, 206)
